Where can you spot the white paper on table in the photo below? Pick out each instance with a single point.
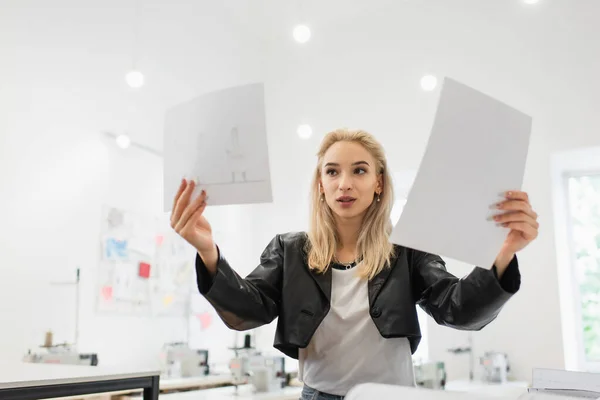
(476, 151)
(555, 379)
(220, 140)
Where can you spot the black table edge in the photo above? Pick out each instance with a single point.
(149, 384)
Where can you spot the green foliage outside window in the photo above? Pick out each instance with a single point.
(584, 204)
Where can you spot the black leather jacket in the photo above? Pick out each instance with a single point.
(283, 286)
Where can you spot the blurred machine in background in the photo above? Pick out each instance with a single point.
(61, 354)
(467, 350)
(178, 360)
(430, 375)
(249, 366)
(495, 367)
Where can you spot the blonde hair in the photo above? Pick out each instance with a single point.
(373, 247)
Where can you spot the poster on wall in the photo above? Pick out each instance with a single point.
(145, 268)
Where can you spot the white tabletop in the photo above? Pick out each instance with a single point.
(244, 392)
(29, 374)
(510, 388)
(378, 391)
(196, 381)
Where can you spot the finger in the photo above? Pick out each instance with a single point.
(190, 210)
(528, 231)
(179, 192)
(191, 222)
(516, 216)
(182, 203)
(517, 205)
(517, 195)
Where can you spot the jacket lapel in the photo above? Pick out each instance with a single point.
(323, 281)
(377, 282)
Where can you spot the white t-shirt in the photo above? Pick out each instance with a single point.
(347, 349)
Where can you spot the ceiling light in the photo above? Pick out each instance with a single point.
(304, 131)
(301, 33)
(135, 79)
(123, 141)
(531, 1)
(428, 83)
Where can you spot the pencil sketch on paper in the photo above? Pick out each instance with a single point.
(235, 153)
(219, 139)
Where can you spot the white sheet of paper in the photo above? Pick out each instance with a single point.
(545, 378)
(220, 140)
(476, 151)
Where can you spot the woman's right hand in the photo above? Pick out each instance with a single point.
(187, 219)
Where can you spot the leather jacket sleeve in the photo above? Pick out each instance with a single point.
(469, 303)
(245, 303)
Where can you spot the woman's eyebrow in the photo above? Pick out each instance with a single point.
(332, 164)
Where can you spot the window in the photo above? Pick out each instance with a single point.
(576, 198)
(583, 200)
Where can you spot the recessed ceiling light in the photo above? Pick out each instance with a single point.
(123, 141)
(302, 33)
(428, 83)
(304, 131)
(135, 79)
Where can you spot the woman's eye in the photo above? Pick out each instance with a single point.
(331, 172)
(360, 171)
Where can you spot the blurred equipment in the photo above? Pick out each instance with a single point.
(239, 364)
(495, 367)
(60, 354)
(267, 373)
(181, 361)
(467, 350)
(249, 366)
(430, 375)
(63, 353)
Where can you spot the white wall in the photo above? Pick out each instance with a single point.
(364, 73)
(62, 84)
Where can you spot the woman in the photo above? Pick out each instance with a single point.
(345, 296)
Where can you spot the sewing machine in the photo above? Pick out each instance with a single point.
(265, 373)
(61, 354)
(430, 375)
(495, 367)
(180, 361)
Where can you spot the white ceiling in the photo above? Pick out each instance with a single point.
(69, 57)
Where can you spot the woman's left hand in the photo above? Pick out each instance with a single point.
(520, 218)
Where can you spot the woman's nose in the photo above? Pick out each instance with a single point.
(345, 182)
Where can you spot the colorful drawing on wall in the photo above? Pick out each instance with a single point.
(167, 300)
(107, 293)
(115, 249)
(205, 319)
(145, 268)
